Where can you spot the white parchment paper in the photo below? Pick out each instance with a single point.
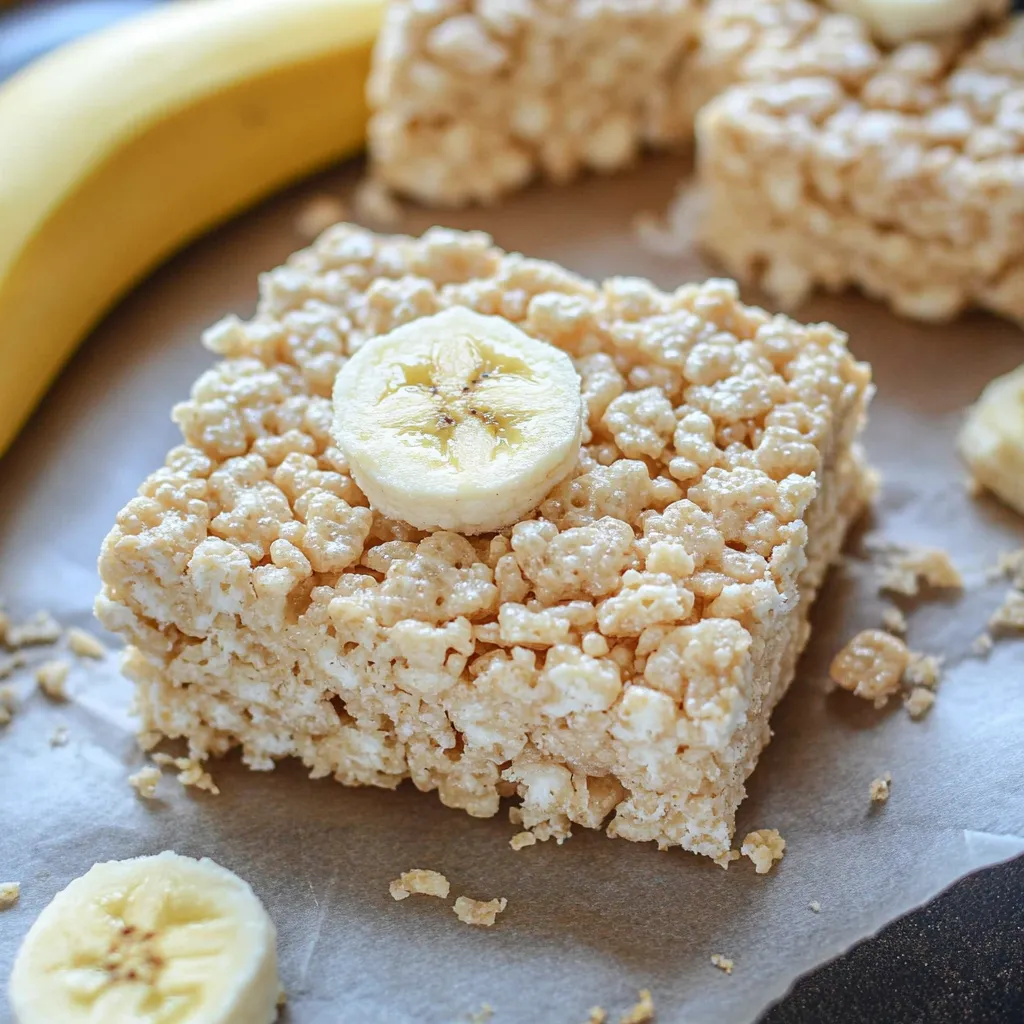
(590, 922)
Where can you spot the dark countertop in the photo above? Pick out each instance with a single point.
(960, 959)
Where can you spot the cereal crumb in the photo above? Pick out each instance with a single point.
(597, 1015)
(764, 847)
(484, 1014)
(1009, 616)
(145, 781)
(9, 893)
(318, 214)
(421, 881)
(84, 644)
(923, 670)
(919, 702)
(642, 1012)
(477, 911)
(871, 665)
(723, 963)
(521, 840)
(41, 629)
(879, 788)
(982, 644)
(1010, 564)
(52, 677)
(190, 772)
(9, 665)
(375, 204)
(894, 620)
(815, 906)
(907, 567)
(5, 625)
(60, 736)
(8, 702)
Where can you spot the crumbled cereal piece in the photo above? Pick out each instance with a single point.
(190, 772)
(478, 912)
(1009, 616)
(5, 625)
(597, 1015)
(1010, 564)
(483, 1015)
(894, 620)
(145, 781)
(907, 567)
(41, 629)
(521, 840)
(84, 644)
(919, 701)
(422, 881)
(871, 666)
(9, 893)
(723, 963)
(643, 622)
(60, 736)
(764, 847)
(318, 214)
(8, 702)
(815, 906)
(52, 677)
(879, 789)
(642, 1012)
(9, 665)
(982, 644)
(923, 669)
(375, 204)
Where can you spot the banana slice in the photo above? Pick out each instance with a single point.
(458, 421)
(156, 940)
(896, 21)
(992, 439)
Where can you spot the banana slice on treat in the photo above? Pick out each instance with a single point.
(896, 21)
(458, 421)
(156, 940)
(992, 439)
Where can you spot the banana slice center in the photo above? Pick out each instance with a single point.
(465, 398)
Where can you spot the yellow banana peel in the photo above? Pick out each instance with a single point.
(122, 147)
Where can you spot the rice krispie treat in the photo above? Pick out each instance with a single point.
(615, 653)
(472, 98)
(898, 171)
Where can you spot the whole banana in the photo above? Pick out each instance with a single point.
(122, 147)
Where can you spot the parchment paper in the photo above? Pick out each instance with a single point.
(592, 921)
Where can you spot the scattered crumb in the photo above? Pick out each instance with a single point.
(894, 620)
(375, 204)
(8, 702)
(60, 736)
(521, 840)
(84, 644)
(421, 881)
(723, 963)
(907, 567)
(9, 893)
(871, 665)
(52, 677)
(145, 781)
(9, 665)
(671, 236)
(483, 1015)
(1010, 565)
(982, 644)
(815, 906)
(919, 702)
(42, 628)
(764, 847)
(5, 625)
(477, 911)
(190, 772)
(923, 670)
(1009, 616)
(597, 1016)
(879, 788)
(317, 215)
(642, 1012)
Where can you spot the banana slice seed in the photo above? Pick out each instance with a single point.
(458, 421)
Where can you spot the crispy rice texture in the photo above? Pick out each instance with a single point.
(828, 160)
(617, 655)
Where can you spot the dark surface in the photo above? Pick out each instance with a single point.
(959, 959)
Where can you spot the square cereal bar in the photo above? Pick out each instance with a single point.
(903, 177)
(471, 99)
(614, 655)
